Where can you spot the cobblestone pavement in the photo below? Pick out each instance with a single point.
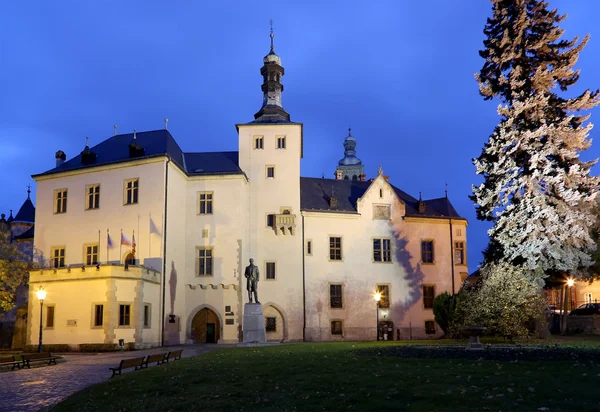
(42, 387)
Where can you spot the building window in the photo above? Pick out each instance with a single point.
(124, 315)
(458, 232)
(335, 296)
(335, 248)
(258, 142)
(382, 251)
(205, 203)
(381, 193)
(49, 316)
(281, 142)
(309, 247)
(270, 271)
(271, 324)
(60, 201)
(384, 290)
(205, 261)
(427, 251)
(337, 328)
(131, 191)
(270, 220)
(91, 254)
(588, 298)
(430, 327)
(58, 257)
(98, 315)
(459, 253)
(147, 313)
(93, 197)
(270, 172)
(428, 296)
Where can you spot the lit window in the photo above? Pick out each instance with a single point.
(384, 291)
(60, 201)
(335, 296)
(382, 251)
(49, 316)
(459, 253)
(91, 254)
(281, 142)
(58, 257)
(205, 202)
(131, 191)
(124, 315)
(93, 197)
(427, 251)
(335, 248)
(270, 270)
(428, 296)
(205, 261)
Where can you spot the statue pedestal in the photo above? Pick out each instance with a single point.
(254, 324)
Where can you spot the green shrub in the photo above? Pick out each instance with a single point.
(444, 309)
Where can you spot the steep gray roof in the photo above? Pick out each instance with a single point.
(316, 192)
(26, 213)
(154, 143)
(28, 234)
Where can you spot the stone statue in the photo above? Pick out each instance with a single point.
(251, 275)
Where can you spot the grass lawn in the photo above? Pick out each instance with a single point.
(338, 376)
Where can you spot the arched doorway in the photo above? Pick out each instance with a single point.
(130, 259)
(275, 325)
(205, 327)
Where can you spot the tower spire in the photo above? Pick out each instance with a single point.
(272, 36)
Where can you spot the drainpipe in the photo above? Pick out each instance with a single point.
(164, 279)
(452, 254)
(303, 283)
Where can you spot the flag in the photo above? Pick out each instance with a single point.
(153, 228)
(109, 242)
(124, 240)
(133, 245)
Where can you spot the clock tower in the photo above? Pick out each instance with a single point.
(272, 72)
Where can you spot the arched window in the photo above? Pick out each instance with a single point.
(354, 177)
(346, 177)
(130, 259)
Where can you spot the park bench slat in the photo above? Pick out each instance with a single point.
(135, 363)
(159, 358)
(174, 355)
(14, 362)
(38, 357)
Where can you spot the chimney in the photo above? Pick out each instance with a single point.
(363, 177)
(60, 157)
(338, 175)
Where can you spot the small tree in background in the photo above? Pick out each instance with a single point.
(536, 190)
(506, 302)
(14, 267)
(444, 310)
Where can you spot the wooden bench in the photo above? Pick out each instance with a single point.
(159, 358)
(14, 362)
(174, 355)
(28, 358)
(126, 364)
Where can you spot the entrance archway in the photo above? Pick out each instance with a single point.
(205, 327)
(275, 322)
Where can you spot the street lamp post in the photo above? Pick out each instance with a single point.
(41, 295)
(377, 298)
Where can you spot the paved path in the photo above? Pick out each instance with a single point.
(41, 387)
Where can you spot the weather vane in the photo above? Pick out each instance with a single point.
(271, 35)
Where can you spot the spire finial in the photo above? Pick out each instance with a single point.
(166, 124)
(28, 191)
(116, 127)
(446, 190)
(420, 197)
(87, 140)
(349, 131)
(10, 213)
(134, 134)
(271, 35)
(380, 171)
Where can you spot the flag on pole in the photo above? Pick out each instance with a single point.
(125, 240)
(133, 244)
(109, 242)
(153, 228)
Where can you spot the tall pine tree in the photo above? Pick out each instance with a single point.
(536, 190)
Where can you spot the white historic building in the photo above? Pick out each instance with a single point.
(323, 246)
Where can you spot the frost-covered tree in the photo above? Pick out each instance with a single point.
(14, 266)
(536, 190)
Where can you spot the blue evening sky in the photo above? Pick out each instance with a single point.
(399, 72)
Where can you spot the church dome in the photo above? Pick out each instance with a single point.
(272, 58)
